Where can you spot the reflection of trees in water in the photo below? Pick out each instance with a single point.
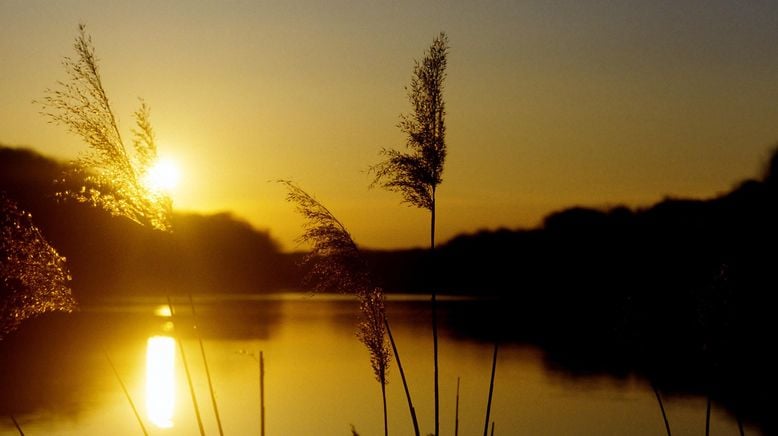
(33, 276)
(738, 373)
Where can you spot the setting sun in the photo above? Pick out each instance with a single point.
(164, 175)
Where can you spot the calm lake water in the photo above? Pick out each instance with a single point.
(56, 378)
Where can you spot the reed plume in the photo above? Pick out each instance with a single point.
(34, 278)
(417, 172)
(110, 175)
(337, 265)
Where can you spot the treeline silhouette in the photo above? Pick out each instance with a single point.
(682, 292)
(114, 256)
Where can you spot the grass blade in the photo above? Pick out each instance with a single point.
(456, 412)
(402, 376)
(662, 408)
(491, 391)
(205, 365)
(188, 374)
(126, 395)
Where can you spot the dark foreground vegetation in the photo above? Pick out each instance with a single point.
(682, 291)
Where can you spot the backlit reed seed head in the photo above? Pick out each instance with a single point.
(33, 276)
(417, 172)
(372, 331)
(337, 265)
(108, 175)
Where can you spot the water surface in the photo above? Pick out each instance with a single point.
(56, 378)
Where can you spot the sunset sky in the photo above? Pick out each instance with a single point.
(550, 104)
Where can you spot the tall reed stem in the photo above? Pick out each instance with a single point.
(435, 357)
(402, 376)
(661, 408)
(262, 393)
(491, 390)
(126, 395)
(434, 316)
(205, 365)
(383, 397)
(188, 374)
(456, 412)
(18, 427)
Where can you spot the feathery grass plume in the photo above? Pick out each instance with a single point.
(113, 177)
(34, 278)
(372, 333)
(337, 265)
(417, 173)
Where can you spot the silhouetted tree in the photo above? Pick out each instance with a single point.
(113, 176)
(417, 172)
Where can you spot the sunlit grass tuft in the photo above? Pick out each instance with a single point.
(34, 278)
(109, 175)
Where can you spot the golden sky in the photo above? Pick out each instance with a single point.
(550, 104)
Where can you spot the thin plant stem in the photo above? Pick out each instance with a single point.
(492, 433)
(18, 427)
(707, 417)
(491, 389)
(383, 397)
(434, 317)
(188, 375)
(126, 395)
(435, 360)
(456, 412)
(402, 376)
(205, 365)
(417, 173)
(661, 408)
(740, 425)
(262, 393)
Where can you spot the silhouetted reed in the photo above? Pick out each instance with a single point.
(456, 412)
(491, 390)
(661, 408)
(126, 392)
(205, 366)
(187, 372)
(110, 175)
(411, 409)
(34, 277)
(261, 393)
(417, 172)
(18, 427)
(337, 265)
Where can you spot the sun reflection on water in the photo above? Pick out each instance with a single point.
(160, 380)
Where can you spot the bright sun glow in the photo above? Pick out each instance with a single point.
(160, 380)
(163, 311)
(164, 175)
